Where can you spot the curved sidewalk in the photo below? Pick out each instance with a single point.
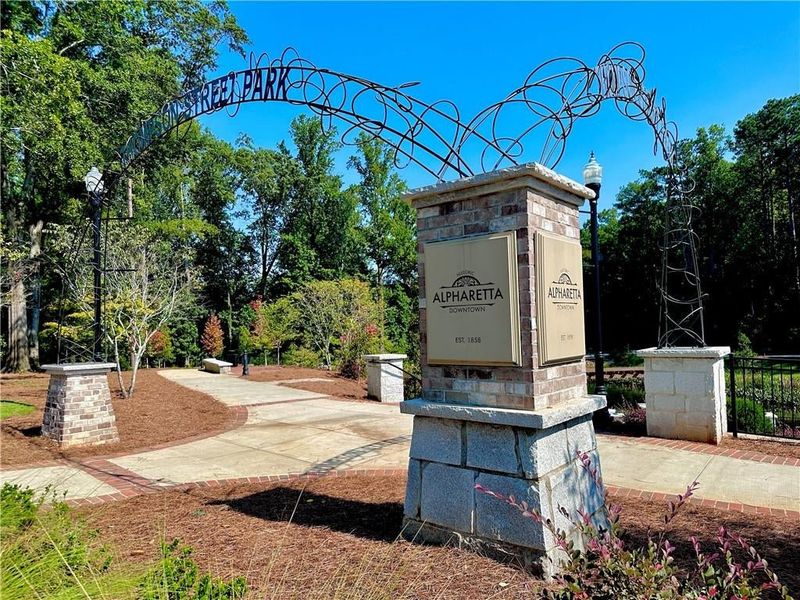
(291, 432)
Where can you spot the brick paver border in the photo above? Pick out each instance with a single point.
(712, 449)
(625, 492)
(134, 485)
(138, 489)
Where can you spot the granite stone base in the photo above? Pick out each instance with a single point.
(532, 455)
(78, 409)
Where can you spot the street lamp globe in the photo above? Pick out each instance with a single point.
(592, 172)
(94, 181)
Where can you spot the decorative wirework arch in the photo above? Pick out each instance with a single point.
(435, 137)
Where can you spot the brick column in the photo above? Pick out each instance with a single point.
(525, 200)
(78, 409)
(516, 427)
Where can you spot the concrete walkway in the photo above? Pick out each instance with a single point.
(294, 431)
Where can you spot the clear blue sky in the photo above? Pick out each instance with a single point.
(714, 62)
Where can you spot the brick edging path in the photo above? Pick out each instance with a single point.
(131, 485)
(712, 449)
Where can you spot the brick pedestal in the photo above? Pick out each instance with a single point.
(385, 377)
(685, 393)
(516, 429)
(78, 409)
(525, 199)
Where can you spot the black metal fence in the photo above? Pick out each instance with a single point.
(764, 396)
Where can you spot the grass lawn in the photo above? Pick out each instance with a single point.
(9, 408)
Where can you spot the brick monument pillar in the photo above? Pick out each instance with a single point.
(504, 402)
(78, 409)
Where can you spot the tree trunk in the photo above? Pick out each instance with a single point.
(119, 371)
(230, 321)
(35, 289)
(18, 323)
(134, 370)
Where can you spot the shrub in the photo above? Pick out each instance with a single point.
(354, 344)
(49, 553)
(636, 418)
(606, 569)
(750, 417)
(743, 345)
(175, 577)
(299, 356)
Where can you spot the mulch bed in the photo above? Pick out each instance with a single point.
(343, 532)
(336, 386)
(159, 412)
(786, 449)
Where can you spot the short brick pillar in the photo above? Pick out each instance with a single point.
(385, 376)
(78, 409)
(685, 393)
(506, 412)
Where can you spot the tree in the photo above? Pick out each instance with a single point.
(274, 325)
(160, 347)
(146, 282)
(212, 339)
(268, 182)
(78, 78)
(332, 310)
(388, 225)
(319, 237)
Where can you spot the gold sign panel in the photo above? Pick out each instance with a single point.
(559, 299)
(472, 299)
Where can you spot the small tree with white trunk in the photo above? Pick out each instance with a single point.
(146, 280)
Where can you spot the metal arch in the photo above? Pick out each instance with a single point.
(436, 131)
(553, 97)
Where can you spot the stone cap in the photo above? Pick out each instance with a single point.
(79, 368)
(685, 352)
(510, 177)
(378, 358)
(542, 418)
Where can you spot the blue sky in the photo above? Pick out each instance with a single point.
(713, 62)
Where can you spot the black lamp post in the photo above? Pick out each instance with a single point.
(95, 188)
(593, 177)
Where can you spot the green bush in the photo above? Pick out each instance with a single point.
(299, 356)
(176, 577)
(626, 358)
(48, 553)
(750, 417)
(620, 395)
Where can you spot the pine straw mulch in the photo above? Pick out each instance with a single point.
(160, 411)
(776, 447)
(335, 386)
(787, 449)
(343, 534)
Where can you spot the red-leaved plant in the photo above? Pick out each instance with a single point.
(606, 569)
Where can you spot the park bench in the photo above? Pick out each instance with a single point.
(214, 365)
